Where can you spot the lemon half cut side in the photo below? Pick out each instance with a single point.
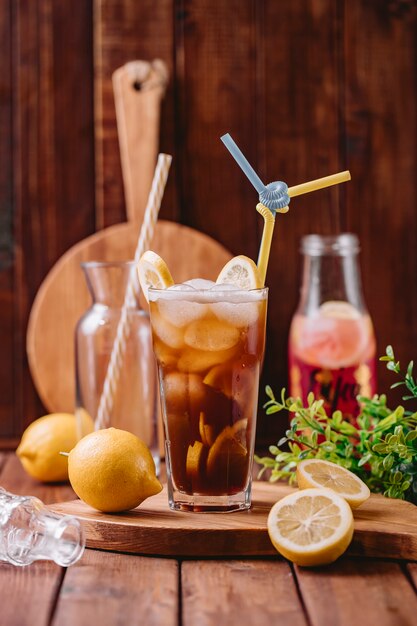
(311, 527)
(320, 473)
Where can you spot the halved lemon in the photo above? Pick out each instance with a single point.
(153, 272)
(242, 272)
(319, 473)
(311, 527)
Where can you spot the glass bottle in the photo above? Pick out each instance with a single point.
(30, 532)
(134, 397)
(332, 343)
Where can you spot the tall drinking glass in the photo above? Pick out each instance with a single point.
(209, 346)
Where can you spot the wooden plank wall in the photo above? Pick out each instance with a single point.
(306, 87)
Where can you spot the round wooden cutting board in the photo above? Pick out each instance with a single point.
(63, 297)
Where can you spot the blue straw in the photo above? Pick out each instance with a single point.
(242, 161)
(274, 195)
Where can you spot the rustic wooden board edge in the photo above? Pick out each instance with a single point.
(247, 536)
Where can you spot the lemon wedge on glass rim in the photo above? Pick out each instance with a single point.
(242, 272)
(311, 526)
(153, 272)
(320, 473)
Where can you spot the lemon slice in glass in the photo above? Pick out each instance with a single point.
(339, 309)
(194, 462)
(241, 272)
(229, 455)
(153, 272)
(311, 527)
(318, 473)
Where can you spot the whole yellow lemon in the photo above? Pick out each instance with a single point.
(44, 439)
(112, 470)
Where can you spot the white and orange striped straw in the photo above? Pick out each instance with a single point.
(132, 292)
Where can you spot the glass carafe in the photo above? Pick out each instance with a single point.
(332, 343)
(132, 400)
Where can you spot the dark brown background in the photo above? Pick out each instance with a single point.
(306, 87)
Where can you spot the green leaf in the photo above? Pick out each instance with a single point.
(381, 450)
(388, 462)
(364, 459)
(269, 392)
(397, 478)
(272, 409)
(398, 384)
(389, 351)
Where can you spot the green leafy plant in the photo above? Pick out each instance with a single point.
(381, 449)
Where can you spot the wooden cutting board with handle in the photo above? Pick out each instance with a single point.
(383, 527)
(63, 297)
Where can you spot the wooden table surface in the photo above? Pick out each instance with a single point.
(110, 588)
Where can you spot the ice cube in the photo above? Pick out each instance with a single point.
(199, 361)
(167, 332)
(238, 314)
(226, 287)
(211, 334)
(175, 392)
(200, 283)
(164, 355)
(181, 312)
(180, 287)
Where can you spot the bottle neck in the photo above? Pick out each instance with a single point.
(58, 538)
(29, 532)
(108, 283)
(328, 278)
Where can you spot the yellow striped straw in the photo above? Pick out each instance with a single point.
(269, 216)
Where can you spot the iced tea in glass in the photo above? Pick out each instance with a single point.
(209, 345)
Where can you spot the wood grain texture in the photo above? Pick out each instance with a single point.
(219, 593)
(6, 223)
(138, 88)
(352, 591)
(298, 140)
(29, 593)
(53, 168)
(110, 588)
(383, 528)
(125, 30)
(411, 568)
(381, 151)
(216, 78)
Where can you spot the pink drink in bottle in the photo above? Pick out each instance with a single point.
(332, 343)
